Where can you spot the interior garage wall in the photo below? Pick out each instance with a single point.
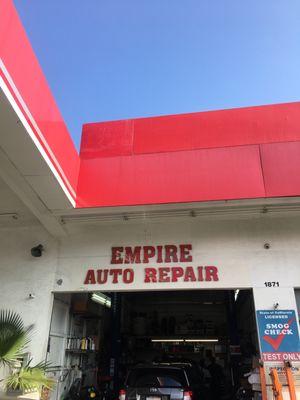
(22, 275)
(210, 307)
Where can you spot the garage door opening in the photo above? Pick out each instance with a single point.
(96, 338)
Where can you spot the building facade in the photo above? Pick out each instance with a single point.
(205, 203)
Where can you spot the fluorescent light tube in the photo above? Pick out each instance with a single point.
(201, 340)
(101, 299)
(184, 340)
(167, 340)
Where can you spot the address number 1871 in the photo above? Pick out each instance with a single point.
(272, 284)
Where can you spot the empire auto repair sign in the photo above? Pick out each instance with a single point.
(152, 259)
(279, 335)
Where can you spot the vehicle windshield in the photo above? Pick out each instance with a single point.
(156, 377)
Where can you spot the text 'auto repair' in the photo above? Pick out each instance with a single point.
(152, 255)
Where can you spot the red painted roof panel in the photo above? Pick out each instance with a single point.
(223, 128)
(240, 126)
(281, 168)
(107, 139)
(197, 175)
(242, 153)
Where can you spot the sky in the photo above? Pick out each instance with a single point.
(118, 59)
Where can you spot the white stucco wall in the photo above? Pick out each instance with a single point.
(22, 274)
(235, 246)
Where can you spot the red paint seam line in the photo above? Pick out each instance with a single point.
(262, 168)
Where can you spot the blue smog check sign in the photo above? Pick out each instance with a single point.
(278, 335)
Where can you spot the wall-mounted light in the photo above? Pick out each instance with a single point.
(37, 251)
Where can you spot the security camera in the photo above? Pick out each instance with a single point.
(31, 295)
(37, 250)
(276, 305)
(267, 246)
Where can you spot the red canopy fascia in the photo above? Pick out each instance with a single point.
(242, 153)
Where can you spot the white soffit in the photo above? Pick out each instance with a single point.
(23, 153)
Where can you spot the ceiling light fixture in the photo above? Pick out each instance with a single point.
(201, 340)
(9, 215)
(167, 340)
(236, 293)
(184, 340)
(101, 299)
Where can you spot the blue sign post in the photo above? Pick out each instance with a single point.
(278, 335)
